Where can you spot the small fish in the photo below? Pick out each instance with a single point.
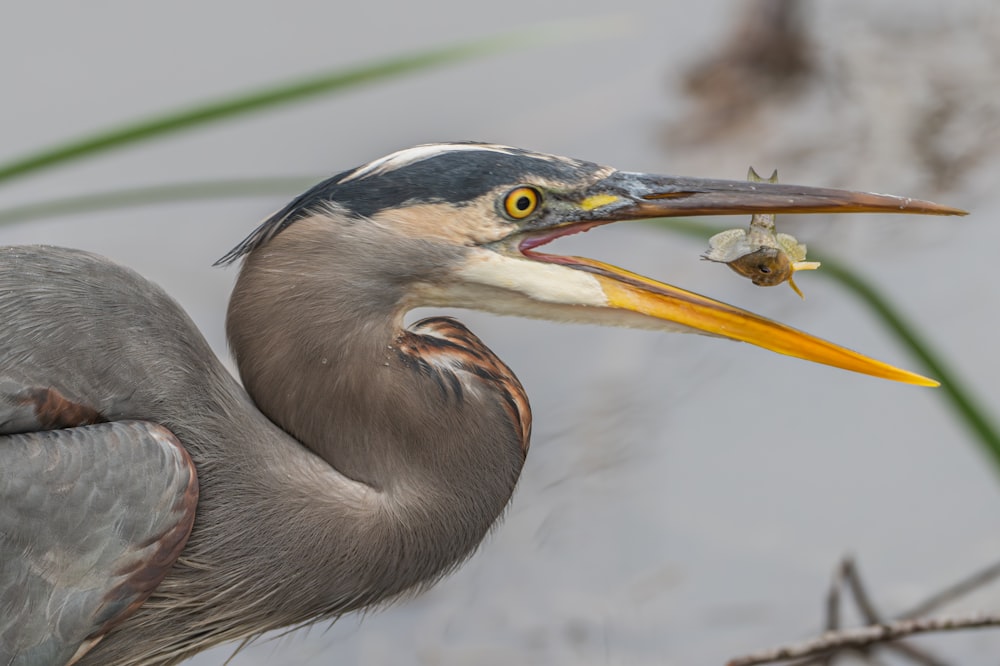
(759, 253)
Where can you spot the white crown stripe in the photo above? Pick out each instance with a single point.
(408, 156)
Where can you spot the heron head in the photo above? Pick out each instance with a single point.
(492, 207)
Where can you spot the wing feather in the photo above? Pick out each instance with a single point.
(91, 519)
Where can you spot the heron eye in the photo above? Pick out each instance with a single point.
(521, 202)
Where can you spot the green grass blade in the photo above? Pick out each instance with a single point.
(258, 100)
(157, 194)
(958, 396)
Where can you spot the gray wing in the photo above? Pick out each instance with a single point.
(91, 519)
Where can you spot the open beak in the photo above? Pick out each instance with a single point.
(632, 196)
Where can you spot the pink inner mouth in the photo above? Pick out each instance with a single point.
(527, 246)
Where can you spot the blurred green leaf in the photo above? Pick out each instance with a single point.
(260, 99)
(156, 194)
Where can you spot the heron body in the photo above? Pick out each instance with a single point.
(151, 506)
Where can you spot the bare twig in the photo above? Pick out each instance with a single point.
(878, 633)
(849, 574)
(864, 637)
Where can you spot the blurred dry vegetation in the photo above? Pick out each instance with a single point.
(920, 101)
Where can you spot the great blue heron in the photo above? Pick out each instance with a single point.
(150, 507)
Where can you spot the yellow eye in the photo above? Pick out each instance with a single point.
(521, 202)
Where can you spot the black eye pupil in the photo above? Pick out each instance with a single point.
(523, 203)
(763, 269)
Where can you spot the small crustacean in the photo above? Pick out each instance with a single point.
(759, 253)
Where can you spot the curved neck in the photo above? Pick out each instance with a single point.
(424, 449)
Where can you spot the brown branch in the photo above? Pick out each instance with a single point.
(861, 638)
(848, 577)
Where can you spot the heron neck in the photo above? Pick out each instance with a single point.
(432, 451)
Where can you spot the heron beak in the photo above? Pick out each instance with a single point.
(644, 196)
(631, 196)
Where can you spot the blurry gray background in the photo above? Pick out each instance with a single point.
(685, 499)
